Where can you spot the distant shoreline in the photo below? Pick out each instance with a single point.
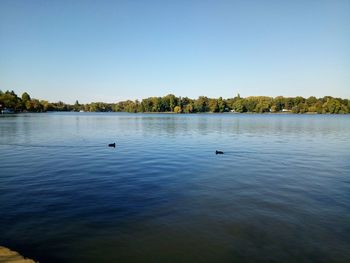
(11, 103)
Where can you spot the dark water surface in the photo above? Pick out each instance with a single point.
(280, 193)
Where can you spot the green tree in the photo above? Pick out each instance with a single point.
(250, 103)
(311, 101)
(177, 109)
(213, 105)
(331, 106)
(273, 108)
(26, 101)
(263, 104)
(76, 106)
(222, 105)
(170, 101)
(238, 106)
(189, 108)
(201, 104)
(10, 100)
(279, 103)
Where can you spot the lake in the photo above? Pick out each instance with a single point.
(279, 193)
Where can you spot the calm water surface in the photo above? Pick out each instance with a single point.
(280, 193)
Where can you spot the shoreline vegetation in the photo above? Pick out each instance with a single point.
(8, 256)
(10, 102)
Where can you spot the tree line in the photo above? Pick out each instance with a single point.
(171, 103)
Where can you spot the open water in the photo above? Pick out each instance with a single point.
(280, 193)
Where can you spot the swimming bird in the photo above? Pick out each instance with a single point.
(219, 152)
(111, 145)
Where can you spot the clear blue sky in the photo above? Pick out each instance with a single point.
(116, 50)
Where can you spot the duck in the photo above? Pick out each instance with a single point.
(219, 152)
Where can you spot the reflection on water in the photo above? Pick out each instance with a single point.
(280, 193)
